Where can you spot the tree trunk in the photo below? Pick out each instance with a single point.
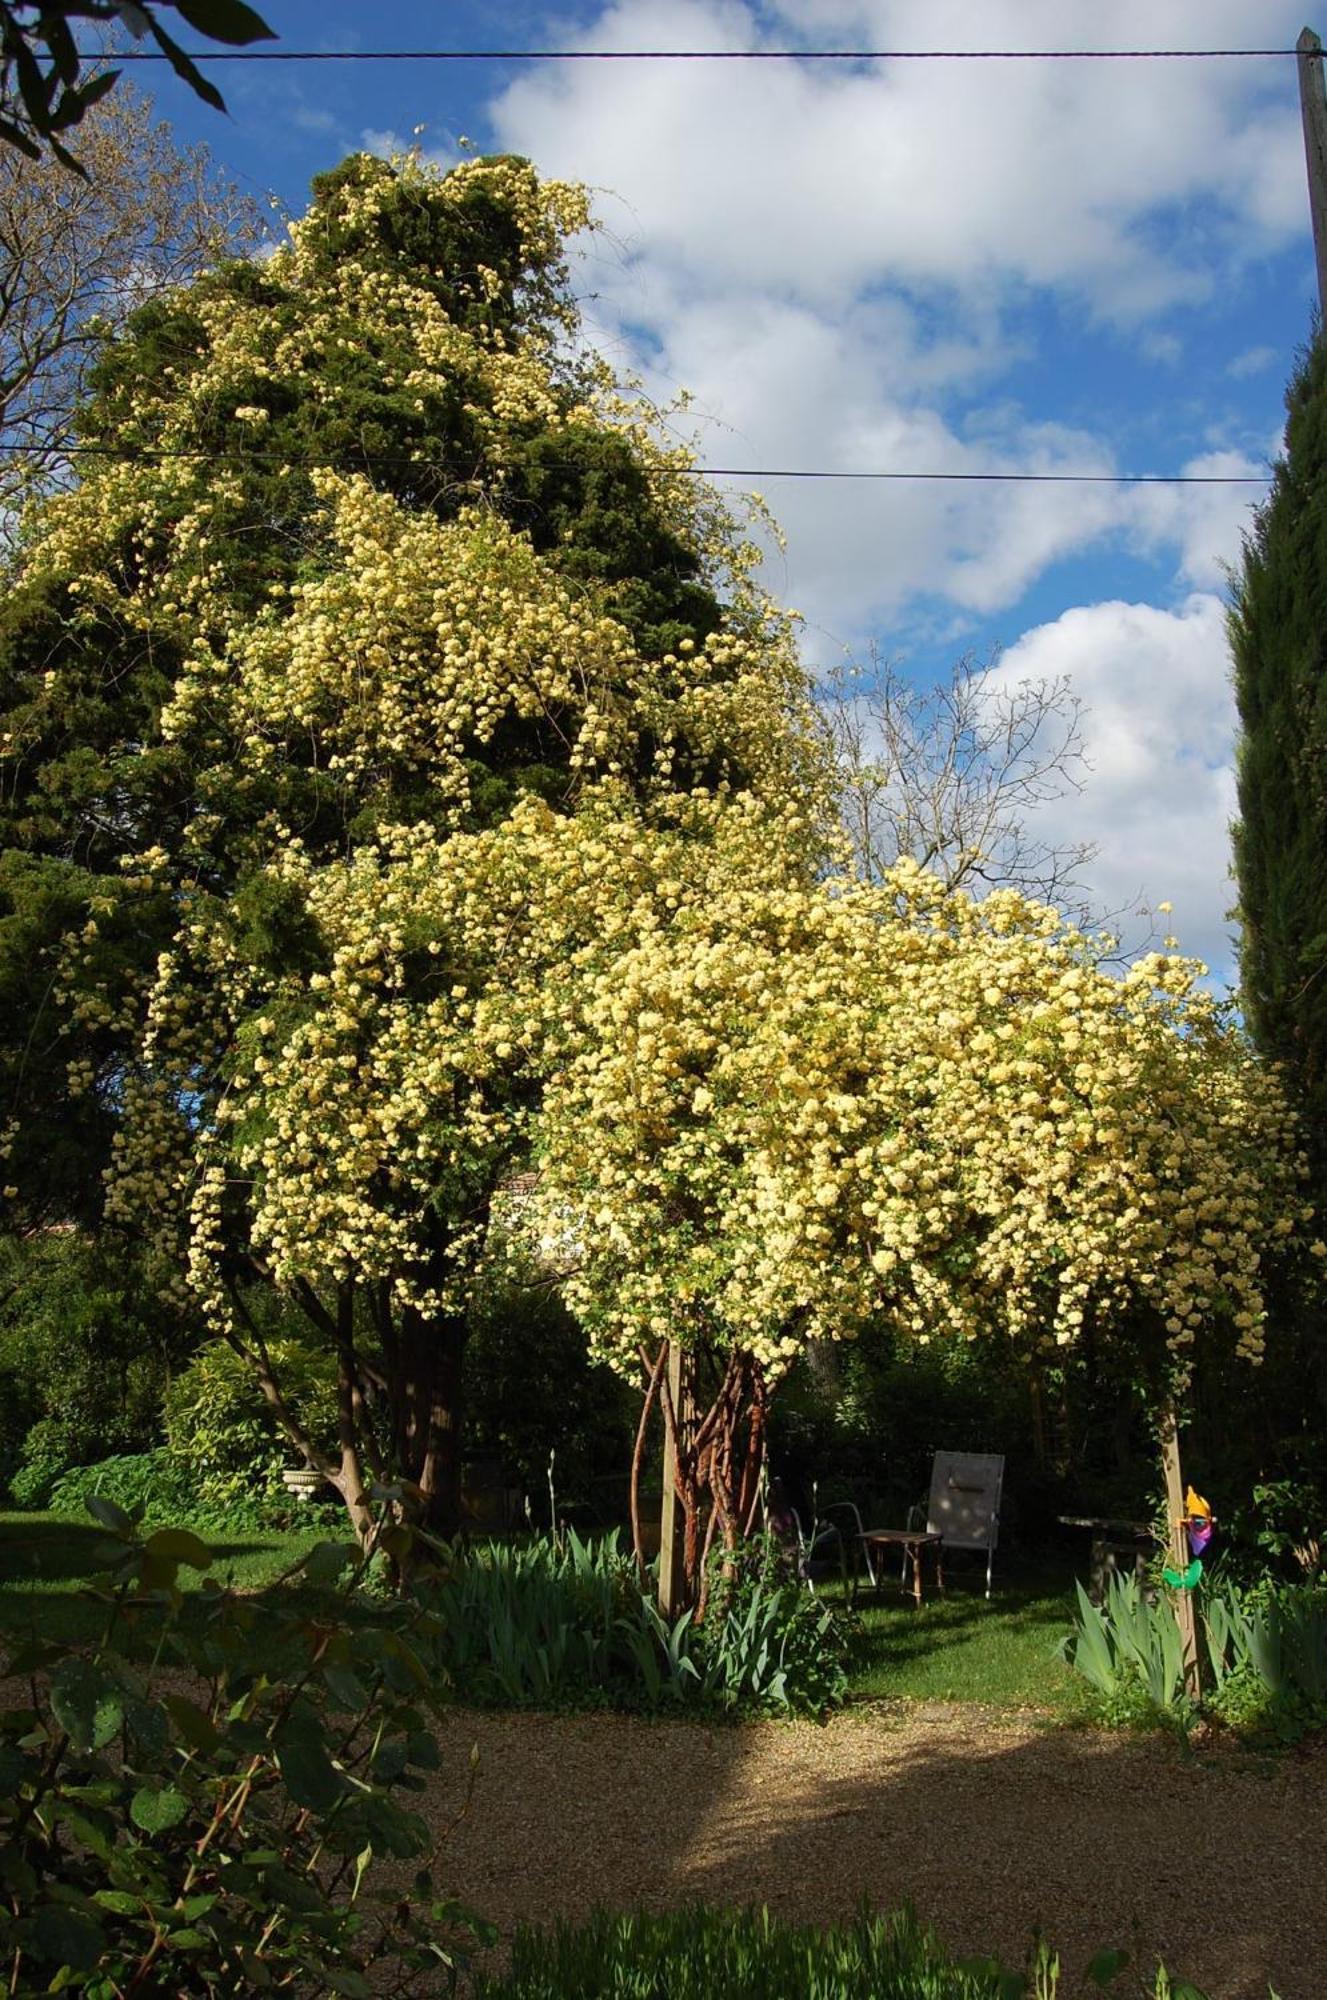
(715, 1458)
(348, 1476)
(429, 1396)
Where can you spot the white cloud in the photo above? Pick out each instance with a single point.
(1204, 525)
(1159, 724)
(847, 263)
(812, 180)
(1253, 361)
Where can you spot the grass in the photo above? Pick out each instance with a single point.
(48, 1560)
(959, 1647)
(956, 1648)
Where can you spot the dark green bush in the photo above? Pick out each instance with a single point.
(699, 1954)
(227, 1839)
(531, 1389)
(157, 1484)
(220, 1424)
(86, 1348)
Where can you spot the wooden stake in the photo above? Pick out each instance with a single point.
(672, 1520)
(1179, 1551)
(1313, 111)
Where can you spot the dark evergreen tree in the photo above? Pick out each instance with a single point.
(1278, 632)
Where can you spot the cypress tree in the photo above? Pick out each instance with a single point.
(1278, 633)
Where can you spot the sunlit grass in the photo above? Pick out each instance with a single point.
(961, 1648)
(47, 1562)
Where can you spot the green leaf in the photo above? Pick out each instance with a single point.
(185, 68)
(110, 1513)
(326, 1560)
(156, 1811)
(310, 1776)
(148, 1725)
(1106, 1966)
(87, 1704)
(178, 1545)
(97, 86)
(227, 21)
(195, 1726)
(119, 1902)
(345, 1687)
(66, 1937)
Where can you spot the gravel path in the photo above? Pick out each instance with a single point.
(988, 1823)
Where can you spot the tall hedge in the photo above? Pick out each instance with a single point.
(1278, 632)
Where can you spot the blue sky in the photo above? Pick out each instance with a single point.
(926, 266)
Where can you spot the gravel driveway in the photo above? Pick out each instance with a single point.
(989, 1823)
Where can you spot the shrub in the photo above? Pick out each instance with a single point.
(85, 1350)
(156, 1485)
(548, 1622)
(1129, 1649)
(226, 1840)
(218, 1420)
(530, 1389)
(748, 1955)
(1267, 1652)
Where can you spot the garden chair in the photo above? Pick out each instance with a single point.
(962, 1512)
(823, 1535)
(805, 1547)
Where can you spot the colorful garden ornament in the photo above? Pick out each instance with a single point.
(1198, 1521)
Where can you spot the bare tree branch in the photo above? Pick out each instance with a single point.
(78, 255)
(953, 774)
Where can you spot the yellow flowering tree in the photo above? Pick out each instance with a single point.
(369, 570)
(795, 1109)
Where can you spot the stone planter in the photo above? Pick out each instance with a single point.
(302, 1482)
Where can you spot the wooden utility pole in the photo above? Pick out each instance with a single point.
(1179, 1550)
(672, 1520)
(1313, 109)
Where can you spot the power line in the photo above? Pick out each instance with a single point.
(1010, 478)
(151, 454)
(211, 56)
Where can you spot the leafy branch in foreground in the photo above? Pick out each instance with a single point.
(217, 1827)
(45, 85)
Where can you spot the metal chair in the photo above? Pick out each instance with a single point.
(822, 1534)
(962, 1512)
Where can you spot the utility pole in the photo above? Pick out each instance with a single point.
(1313, 108)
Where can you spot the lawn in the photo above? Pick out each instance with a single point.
(956, 1648)
(961, 1648)
(48, 1560)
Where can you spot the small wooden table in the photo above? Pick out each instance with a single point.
(1112, 1538)
(913, 1542)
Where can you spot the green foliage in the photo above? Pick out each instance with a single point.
(227, 1839)
(530, 1388)
(220, 1426)
(1128, 1648)
(547, 1622)
(1265, 1656)
(1278, 631)
(865, 1419)
(1284, 1530)
(767, 1643)
(85, 1352)
(156, 1483)
(693, 1954)
(45, 89)
(1267, 1652)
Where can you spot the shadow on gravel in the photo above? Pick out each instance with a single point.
(991, 1830)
